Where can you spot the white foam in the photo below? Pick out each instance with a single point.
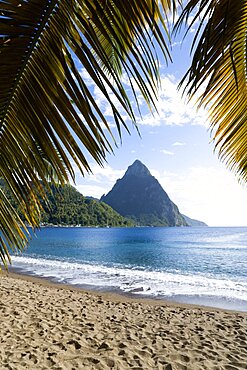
(135, 280)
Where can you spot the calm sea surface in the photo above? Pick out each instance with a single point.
(193, 265)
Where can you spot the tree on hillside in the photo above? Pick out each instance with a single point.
(48, 113)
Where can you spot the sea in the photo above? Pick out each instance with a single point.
(198, 265)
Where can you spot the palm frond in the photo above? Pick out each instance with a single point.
(14, 232)
(48, 114)
(219, 61)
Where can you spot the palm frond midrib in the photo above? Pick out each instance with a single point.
(41, 21)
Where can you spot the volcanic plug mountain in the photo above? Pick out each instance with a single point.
(139, 196)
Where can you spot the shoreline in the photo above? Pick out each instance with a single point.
(174, 266)
(116, 296)
(46, 325)
(207, 302)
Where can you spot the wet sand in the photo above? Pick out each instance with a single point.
(51, 326)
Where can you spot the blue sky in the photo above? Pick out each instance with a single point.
(176, 147)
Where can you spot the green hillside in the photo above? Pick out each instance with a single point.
(68, 207)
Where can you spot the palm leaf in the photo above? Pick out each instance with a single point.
(43, 96)
(219, 61)
(14, 232)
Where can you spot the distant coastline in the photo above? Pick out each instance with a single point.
(43, 225)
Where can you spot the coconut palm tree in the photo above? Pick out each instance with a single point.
(48, 114)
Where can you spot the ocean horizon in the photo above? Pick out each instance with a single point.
(196, 265)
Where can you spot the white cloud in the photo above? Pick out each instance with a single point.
(166, 152)
(172, 108)
(101, 100)
(103, 103)
(99, 182)
(193, 22)
(92, 190)
(176, 43)
(104, 173)
(86, 77)
(178, 143)
(209, 194)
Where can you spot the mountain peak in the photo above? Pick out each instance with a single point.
(139, 196)
(138, 169)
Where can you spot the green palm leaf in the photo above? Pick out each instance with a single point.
(48, 114)
(219, 61)
(14, 232)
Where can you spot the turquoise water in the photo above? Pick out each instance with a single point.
(193, 265)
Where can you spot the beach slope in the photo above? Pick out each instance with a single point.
(48, 326)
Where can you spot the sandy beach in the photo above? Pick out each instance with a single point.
(50, 326)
